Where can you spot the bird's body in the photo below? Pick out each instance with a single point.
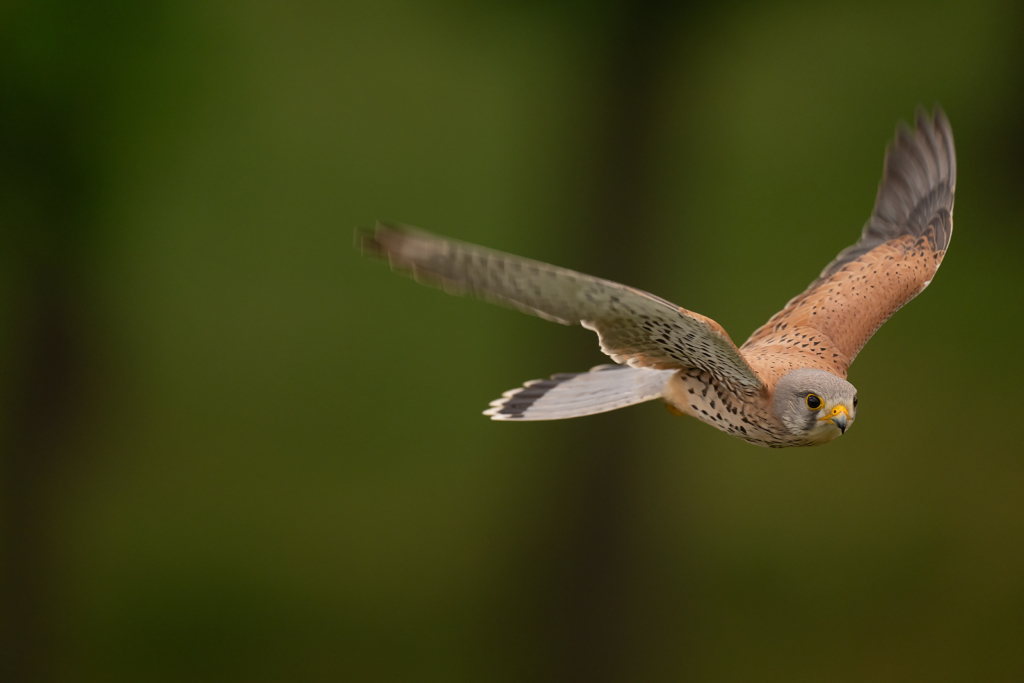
(786, 386)
(753, 418)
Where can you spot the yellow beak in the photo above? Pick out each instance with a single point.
(838, 416)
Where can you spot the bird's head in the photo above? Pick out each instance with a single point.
(815, 404)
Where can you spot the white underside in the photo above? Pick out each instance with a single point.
(602, 389)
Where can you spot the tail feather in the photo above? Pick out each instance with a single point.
(604, 388)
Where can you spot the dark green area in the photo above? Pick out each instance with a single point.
(236, 451)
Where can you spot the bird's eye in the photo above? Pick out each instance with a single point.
(813, 402)
(854, 402)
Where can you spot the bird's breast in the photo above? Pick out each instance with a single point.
(698, 394)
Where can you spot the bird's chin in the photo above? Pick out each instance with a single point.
(825, 432)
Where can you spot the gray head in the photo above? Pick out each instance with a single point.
(815, 404)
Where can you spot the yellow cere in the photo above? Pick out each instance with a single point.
(835, 411)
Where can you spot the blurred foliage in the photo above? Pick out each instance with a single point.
(279, 467)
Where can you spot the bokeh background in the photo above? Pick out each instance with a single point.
(234, 450)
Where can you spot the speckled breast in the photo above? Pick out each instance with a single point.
(702, 396)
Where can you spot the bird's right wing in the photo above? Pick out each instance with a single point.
(634, 327)
(897, 255)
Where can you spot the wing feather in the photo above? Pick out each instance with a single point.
(634, 327)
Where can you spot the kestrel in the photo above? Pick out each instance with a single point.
(786, 386)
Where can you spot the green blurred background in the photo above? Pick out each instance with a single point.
(233, 450)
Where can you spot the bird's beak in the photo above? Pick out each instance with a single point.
(838, 416)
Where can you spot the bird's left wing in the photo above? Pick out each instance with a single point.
(896, 257)
(634, 327)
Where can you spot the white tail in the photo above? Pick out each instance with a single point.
(604, 388)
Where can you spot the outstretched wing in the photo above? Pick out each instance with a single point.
(634, 327)
(896, 257)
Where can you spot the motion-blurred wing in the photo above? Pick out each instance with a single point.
(634, 327)
(896, 257)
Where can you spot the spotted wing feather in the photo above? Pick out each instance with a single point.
(899, 251)
(635, 327)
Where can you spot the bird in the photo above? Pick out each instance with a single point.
(786, 385)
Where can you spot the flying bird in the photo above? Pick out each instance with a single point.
(786, 385)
